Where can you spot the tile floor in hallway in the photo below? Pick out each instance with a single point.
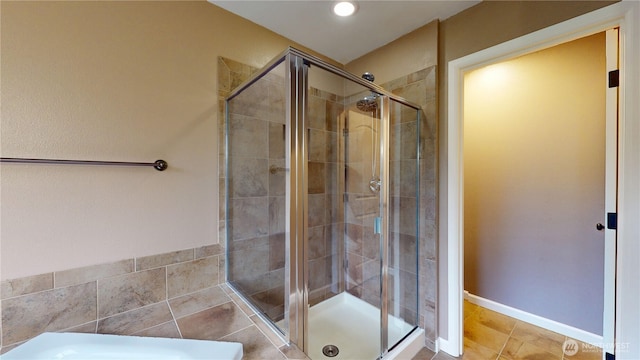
(489, 335)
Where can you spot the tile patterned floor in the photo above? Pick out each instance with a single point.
(258, 340)
(217, 313)
(489, 335)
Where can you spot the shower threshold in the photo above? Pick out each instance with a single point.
(353, 326)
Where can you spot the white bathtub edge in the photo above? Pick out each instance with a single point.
(51, 346)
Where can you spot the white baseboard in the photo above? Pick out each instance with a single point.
(536, 320)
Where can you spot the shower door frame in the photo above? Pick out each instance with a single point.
(297, 296)
(297, 64)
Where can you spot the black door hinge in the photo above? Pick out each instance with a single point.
(612, 221)
(614, 78)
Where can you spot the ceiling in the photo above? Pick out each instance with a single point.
(312, 23)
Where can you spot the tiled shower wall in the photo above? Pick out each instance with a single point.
(362, 245)
(326, 224)
(143, 296)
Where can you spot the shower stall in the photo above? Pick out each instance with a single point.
(322, 174)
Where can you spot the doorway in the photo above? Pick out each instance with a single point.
(622, 15)
(534, 190)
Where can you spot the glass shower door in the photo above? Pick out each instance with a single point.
(381, 203)
(361, 243)
(403, 198)
(344, 236)
(257, 191)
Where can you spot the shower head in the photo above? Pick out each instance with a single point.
(367, 104)
(368, 76)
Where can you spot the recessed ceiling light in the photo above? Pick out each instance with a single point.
(344, 8)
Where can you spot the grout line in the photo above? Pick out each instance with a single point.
(204, 309)
(507, 341)
(97, 304)
(237, 331)
(32, 293)
(151, 327)
(264, 334)
(131, 310)
(174, 319)
(196, 291)
(15, 344)
(71, 327)
(44, 290)
(166, 285)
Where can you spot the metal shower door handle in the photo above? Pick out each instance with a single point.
(374, 185)
(377, 225)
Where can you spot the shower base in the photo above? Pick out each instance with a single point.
(353, 325)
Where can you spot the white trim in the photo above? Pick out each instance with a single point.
(628, 261)
(536, 320)
(456, 217)
(626, 15)
(444, 345)
(611, 188)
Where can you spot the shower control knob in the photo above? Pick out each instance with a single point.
(374, 185)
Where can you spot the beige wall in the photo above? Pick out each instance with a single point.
(482, 26)
(534, 159)
(412, 52)
(126, 81)
(136, 81)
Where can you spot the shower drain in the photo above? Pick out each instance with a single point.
(330, 350)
